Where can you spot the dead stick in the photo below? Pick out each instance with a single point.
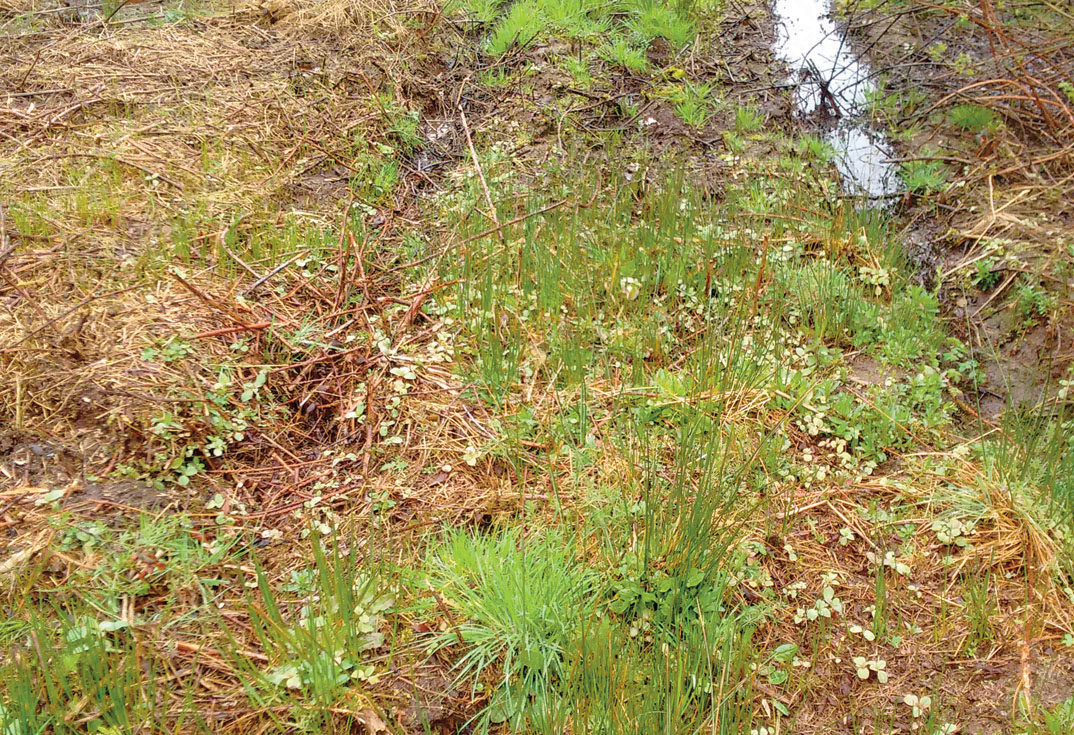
(246, 266)
(480, 173)
(5, 250)
(344, 250)
(117, 159)
(233, 330)
(25, 296)
(478, 236)
(26, 76)
(201, 296)
(257, 284)
(440, 603)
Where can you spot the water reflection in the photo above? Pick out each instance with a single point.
(834, 85)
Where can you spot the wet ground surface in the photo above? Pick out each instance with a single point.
(833, 89)
(832, 99)
(1021, 360)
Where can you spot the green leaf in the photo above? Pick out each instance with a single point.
(785, 652)
(286, 675)
(111, 626)
(50, 497)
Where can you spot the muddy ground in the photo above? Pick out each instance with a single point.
(294, 82)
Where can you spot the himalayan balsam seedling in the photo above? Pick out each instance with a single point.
(865, 667)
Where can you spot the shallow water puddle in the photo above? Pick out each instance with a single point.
(834, 83)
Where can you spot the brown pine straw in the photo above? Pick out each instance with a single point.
(272, 96)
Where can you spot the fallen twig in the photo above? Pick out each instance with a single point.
(263, 279)
(478, 236)
(480, 172)
(233, 330)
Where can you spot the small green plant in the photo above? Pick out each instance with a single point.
(775, 669)
(318, 644)
(1067, 88)
(519, 27)
(825, 607)
(885, 106)
(497, 76)
(657, 604)
(85, 669)
(891, 561)
(864, 632)
(192, 437)
(1056, 721)
(909, 334)
(866, 667)
(675, 687)
(579, 71)
(1032, 302)
(172, 350)
(972, 118)
(693, 104)
(518, 603)
(482, 11)
(980, 610)
(986, 275)
(919, 706)
(953, 531)
(404, 125)
(654, 19)
(748, 120)
(621, 52)
(498, 362)
(830, 306)
(924, 177)
(577, 19)
(813, 146)
(965, 65)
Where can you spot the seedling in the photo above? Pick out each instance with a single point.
(823, 608)
(865, 633)
(892, 562)
(865, 668)
(953, 531)
(918, 705)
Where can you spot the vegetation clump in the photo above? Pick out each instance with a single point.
(522, 367)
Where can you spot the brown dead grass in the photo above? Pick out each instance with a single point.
(1027, 620)
(120, 143)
